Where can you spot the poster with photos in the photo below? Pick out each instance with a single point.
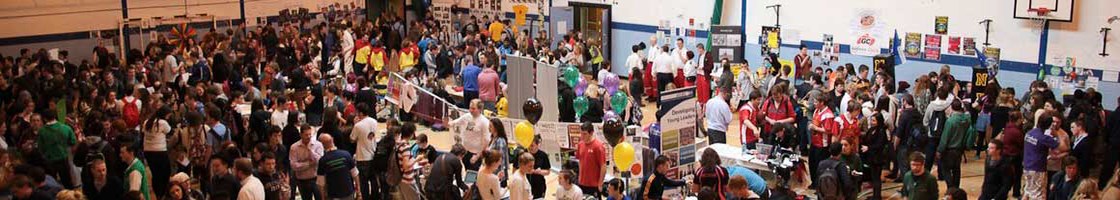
(993, 57)
(770, 40)
(933, 47)
(968, 46)
(830, 50)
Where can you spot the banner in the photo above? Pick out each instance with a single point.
(913, 45)
(954, 45)
(867, 28)
(678, 121)
(941, 25)
(969, 46)
(980, 79)
(770, 40)
(992, 54)
(933, 47)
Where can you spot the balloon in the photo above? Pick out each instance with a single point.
(613, 130)
(611, 83)
(524, 133)
(618, 102)
(581, 87)
(571, 75)
(623, 156)
(581, 104)
(532, 110)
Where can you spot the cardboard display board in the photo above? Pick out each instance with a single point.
(519, 85)
(678, 127)
(727, 42)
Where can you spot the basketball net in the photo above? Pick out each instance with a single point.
(1042, 14)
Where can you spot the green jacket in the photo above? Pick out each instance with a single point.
(55, 141)
(920, 188)
(958, 129)
(138, 166)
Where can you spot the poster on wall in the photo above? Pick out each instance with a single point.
(941, 25)
(678, 119)
(867, 28)
(830, 50)
(727, 43)
(933, 47)
(954, 45)
(770, 40)
(913, 45)
(992, 54)
(969, 46)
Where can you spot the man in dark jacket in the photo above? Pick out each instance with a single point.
(1064, 183)
(446, 181)
(909, 123)
(102, 186)
(848, 185)
(997, 173)
(1082, 147)
(1112, 135)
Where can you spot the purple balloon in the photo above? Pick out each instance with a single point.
(609, 114)
(611, 83)
(581, 87)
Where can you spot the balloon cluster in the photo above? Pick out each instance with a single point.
(573, 78)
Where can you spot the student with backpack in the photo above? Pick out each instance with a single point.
(130, 108)
(835, 181)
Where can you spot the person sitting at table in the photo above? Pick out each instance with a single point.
(710, 174)
(783, 136)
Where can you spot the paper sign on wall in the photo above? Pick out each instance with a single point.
(933, 47)
(954, 45)
(969, 46)
(519, 12)
(770, 40)
(913, 45)
(941, 25)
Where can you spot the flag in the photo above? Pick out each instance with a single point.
(981, 56)
(896, 47)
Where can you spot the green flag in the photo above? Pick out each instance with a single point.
(717, 14)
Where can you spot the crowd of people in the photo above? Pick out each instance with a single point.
(291, 110)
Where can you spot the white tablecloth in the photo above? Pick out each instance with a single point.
(735, 156)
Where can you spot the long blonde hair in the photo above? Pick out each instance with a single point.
(1087, 189)
(921, 85)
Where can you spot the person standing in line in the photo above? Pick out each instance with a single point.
(101, 186)
(718, 115)
(364, 134)
(156, 130)
(304, 156)
(1036, 147)
(54, 143)
(470, 78)
(251, 186)
(276, 184)
(1012, 138)
(874, 150)
(337, 175)
(541, 168)
(953, 143)
(997, 173)
(634, 63)
(823, 128)
(593, 161)
(905, 131)
(665, 66)
(489, 87)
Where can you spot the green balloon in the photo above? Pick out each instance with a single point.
(618, 102)
(571, 76)
(581, 105)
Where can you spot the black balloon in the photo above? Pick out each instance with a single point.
(613, 130)
(532, 110)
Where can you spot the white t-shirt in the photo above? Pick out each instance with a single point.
(690, 69)
(279, 118)
(365, 135)
(251, 189)
(634, 61)
(519, 188)
(664, 64)
(155, 138)
(569, 194)
(474, 131)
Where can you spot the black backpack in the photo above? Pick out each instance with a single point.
(829, 187)
(383, 153)
(937, 124)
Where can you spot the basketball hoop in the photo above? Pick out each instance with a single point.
(1040, 11)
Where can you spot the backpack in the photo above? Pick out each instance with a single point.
(393, 173)
(829, 182)
(918, 136)
(382, 153)
(937, 124)
(131, 113)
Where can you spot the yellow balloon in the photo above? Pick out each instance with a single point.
(623, 156)
(524, 133)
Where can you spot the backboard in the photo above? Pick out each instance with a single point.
(1059, 10)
